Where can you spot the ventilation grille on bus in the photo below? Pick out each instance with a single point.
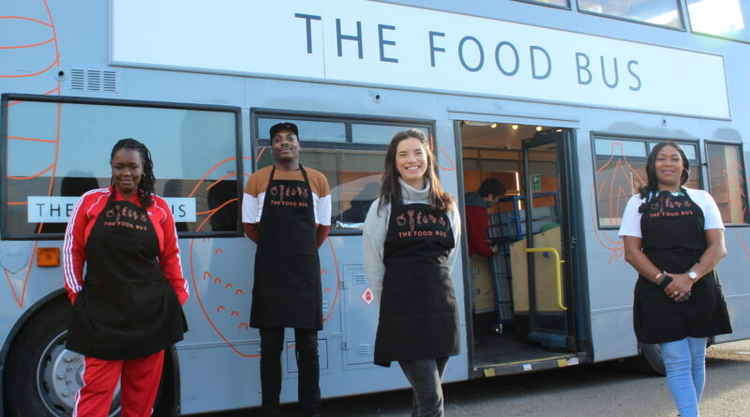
(364, 350)
(360, 279)
(93, 80)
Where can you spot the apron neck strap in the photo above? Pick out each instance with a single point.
(397, 201)
(304, 174)
(301, 168)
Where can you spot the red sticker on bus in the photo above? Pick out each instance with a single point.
(368, 296)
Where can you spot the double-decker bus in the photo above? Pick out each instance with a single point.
(561, 100)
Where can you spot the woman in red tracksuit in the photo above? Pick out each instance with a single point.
(128, 308)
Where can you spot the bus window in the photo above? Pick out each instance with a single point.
(620, 170)
(56, 151)
(724, 18)
(310, 130)
(375, 134)
(655, 12)
(350, 153)
(727, 181)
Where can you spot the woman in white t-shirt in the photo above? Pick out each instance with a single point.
(674, 237)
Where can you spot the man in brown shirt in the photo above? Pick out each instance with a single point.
(286, 211)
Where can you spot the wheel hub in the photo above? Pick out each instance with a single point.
(63, 377)
(59, 377)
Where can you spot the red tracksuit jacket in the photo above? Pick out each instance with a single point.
(83, 220)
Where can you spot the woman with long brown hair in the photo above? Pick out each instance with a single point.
(410, 235)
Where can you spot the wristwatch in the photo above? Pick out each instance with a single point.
(692, 275)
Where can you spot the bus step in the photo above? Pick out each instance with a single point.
(511, 368)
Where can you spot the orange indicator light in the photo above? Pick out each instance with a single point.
(47, 257)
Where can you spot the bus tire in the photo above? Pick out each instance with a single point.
(42, 376)
(650, 359)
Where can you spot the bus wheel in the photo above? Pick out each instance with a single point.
(650, 360)
(43, 377)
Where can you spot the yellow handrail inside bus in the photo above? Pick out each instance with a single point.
(558, 272)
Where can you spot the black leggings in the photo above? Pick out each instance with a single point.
(306, 346)
(426, 378)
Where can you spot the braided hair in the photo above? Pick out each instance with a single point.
(146, 186)
(649, 191)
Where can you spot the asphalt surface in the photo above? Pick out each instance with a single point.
(612, 389)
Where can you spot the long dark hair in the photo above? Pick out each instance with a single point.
(146, 186)
(391, 189)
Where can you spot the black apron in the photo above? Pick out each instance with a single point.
(418, 315)
(287, 289)
(674, 239)
(127, 309)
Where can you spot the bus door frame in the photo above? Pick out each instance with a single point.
(578, 315)
(576, 267)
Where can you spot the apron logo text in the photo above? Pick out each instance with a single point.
(414, 218)
(124, 217)
(671, 213)
(286, 196)
(422, 233)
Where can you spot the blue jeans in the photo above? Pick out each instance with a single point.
(685, 362)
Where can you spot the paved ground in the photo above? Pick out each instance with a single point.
(607, 390)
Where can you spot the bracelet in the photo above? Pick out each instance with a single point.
(659, 276)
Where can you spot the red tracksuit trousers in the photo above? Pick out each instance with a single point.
(140, 383)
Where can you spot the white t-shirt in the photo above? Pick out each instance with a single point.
(631, 218)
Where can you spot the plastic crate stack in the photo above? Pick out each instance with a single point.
(506, 228)
(500, 270)
(510, 226)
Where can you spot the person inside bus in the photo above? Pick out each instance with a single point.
(477, 218)
(674, 237)
(127, 308)
(410, 234)
(286, 211)
(477, 227)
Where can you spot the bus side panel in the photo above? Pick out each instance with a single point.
(733, 269)
(23, 282)
(447, 160)
(736, 287)
(611, 279)
(611, 286)
(214, 356)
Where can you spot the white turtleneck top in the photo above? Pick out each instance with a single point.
(376, 227)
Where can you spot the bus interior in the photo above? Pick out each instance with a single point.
(521, 305)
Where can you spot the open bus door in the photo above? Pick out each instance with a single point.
(548, 297)
(524, 318)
